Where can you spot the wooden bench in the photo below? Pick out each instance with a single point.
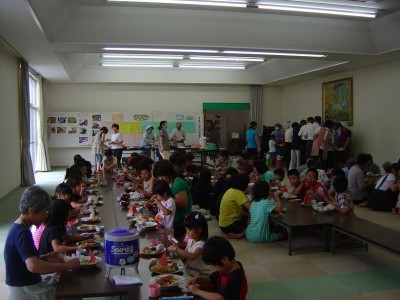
(366, 232)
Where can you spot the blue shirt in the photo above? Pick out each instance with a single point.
(19, 246)
(251, 138)
(150, 136)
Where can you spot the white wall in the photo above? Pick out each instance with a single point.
(131, 97)
(272, 106)
(376, 99)
(9, 123)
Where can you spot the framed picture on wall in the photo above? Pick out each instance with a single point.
(337, 100)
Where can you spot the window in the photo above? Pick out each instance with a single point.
(34, 117)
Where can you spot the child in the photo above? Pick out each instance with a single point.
(197, 230)
(313, 189)
(202, 190)
(244, 164)
(342, 197)
(228, 281)
(78, 191)
(54, 234)
(258, 230)
(224, 161)
(293, 187)
(148, 180)
(272, 150)
(279, 177)
(110, 162)
(162, 197)
(263, 172)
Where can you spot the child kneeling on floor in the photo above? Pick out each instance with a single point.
(258, 230)
(228, 281)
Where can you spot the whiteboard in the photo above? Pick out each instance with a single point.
(77, 129)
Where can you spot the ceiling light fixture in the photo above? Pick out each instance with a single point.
(226, 58)
(224, 3)
(160, 50)
(237, 67)
(273, 53)
(141, 56)
(318, 8)
(133, 65)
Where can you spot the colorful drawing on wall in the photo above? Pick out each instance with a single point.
(62, 120)
(83, 140)
(117, 117)
(141, 117)
(51, 120)
(96, 125)
(337, 100)
(61, 129)
(96, 118)
(73, 130)
(83, 130)
(53, 129)
(71, 120)
(83, 122)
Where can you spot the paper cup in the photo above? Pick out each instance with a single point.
(154, 290)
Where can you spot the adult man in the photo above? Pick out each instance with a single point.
(357, 184)
(178, 135)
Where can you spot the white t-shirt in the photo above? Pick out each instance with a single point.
(178, 135)
(302, 132)
(289, 135)
(197, 265)
(271, 145)
(385, 185)
(116, 137)
(167, 221)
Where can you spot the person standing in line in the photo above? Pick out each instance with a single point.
(303, 144)
(296, 144)
(309, 136)
(98, 147)
(163, 139)
(178, 135)
(288, 145)
(253, 143)
(116, 143)
(148, 140)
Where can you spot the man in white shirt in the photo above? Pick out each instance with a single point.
(288, 144)
(178, 135)
(116, 143)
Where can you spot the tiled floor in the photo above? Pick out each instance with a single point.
(272, 274)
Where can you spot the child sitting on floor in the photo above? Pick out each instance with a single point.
(197, 230)
(313, 189)
(258, 230)
(292, 189)
(228, 281)
(342, 195)
(162, 197)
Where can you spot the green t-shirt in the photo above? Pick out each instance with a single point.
(178, 186)
(268, 176)
(258, 229)
(231, 207)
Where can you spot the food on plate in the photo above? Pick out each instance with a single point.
(166, 280)
(169, 268)
(152, 249)
(90, 243)
(87, 228)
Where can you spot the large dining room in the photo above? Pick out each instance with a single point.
(219, 62)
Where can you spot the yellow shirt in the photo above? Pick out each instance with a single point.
(231, 207)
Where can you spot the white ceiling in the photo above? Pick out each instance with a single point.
(62, 39)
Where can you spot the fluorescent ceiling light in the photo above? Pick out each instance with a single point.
(233, 3)
(213, 67)
(160, 50)
(273, 53)
(118, 64)
(318, 8)
(226, 58)
(141, 56)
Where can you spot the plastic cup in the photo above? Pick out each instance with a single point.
(154, 290)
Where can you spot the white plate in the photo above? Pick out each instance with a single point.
(86, 228)
(90, 220)
(153, 252)
(149, 225)
(179, 264)
(89, 211)
(83, 260)
(157, 279)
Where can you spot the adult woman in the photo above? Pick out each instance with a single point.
(323, 145)
(116, 143)
(253, 143)
(148, 140)
(232, 219)
(164, 170)
(384, 195)
(163, 140)
(22, 260)
(98, 146)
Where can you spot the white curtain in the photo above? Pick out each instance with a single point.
(27, 175)
(42, 157)
(256, 105)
